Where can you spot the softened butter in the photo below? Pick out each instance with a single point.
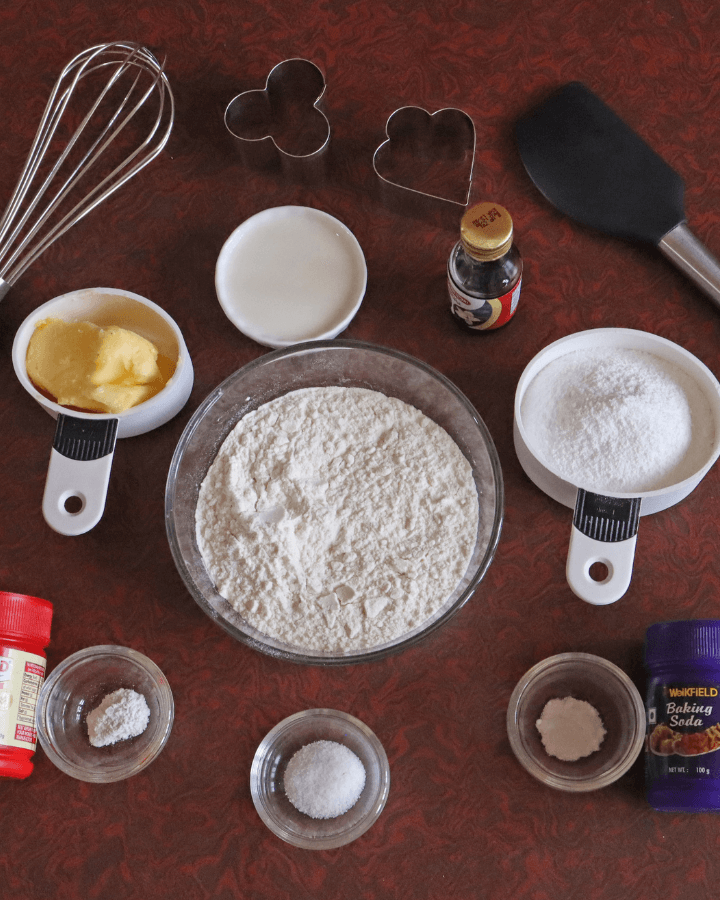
(101, 369)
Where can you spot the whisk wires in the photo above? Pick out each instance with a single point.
(34, 219)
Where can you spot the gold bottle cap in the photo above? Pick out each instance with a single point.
(486, 231)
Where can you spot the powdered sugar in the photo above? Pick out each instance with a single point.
(337, 518)
(624, 420)
(324, 779)
(121, 714)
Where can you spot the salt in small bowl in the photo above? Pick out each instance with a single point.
(268, 771)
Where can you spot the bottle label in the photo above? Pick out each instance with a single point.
(683, 731)
(479, 314)
(21, 677)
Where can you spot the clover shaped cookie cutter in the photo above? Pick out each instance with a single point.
(430, 157)
(283, 123)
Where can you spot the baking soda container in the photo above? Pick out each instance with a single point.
(682, 748)
(24, 634)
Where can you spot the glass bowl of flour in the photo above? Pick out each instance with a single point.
(104, 713)
(576, 722)
(334, 502)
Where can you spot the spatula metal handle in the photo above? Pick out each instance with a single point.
(693, 258)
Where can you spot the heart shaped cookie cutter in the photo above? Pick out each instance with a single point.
(423, 153)
(284, 122)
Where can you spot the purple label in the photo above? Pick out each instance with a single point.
(683, 731)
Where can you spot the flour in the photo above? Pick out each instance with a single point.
(623, 420)
(121, 714)
(337, 518)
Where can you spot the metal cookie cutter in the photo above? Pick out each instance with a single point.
(283, 124)
(427, 158)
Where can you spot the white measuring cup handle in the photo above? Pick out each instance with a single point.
(78, 473)
(604, 531)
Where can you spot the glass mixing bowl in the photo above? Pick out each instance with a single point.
(319, 364)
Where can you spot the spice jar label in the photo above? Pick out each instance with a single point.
(481, 314)
(21, 677)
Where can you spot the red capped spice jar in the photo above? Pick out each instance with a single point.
(24, 634)
(485, 269)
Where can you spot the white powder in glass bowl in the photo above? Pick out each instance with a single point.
(122, 714)
(336, 518)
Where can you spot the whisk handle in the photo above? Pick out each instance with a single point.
(4, 287)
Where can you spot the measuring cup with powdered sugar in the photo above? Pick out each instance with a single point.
(617, 424)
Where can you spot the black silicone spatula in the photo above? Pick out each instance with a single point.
(594, 168)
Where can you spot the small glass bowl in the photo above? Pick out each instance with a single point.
(604, 686)
(76, 687)
(275, 752)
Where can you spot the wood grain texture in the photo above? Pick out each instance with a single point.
(463, 819)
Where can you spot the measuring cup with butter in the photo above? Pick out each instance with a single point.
(119, 366)
(616, 424)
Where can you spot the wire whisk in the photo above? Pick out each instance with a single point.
(110, 114)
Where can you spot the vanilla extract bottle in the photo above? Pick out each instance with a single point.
(485, 269)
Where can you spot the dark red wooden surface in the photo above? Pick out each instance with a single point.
(463, 819)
